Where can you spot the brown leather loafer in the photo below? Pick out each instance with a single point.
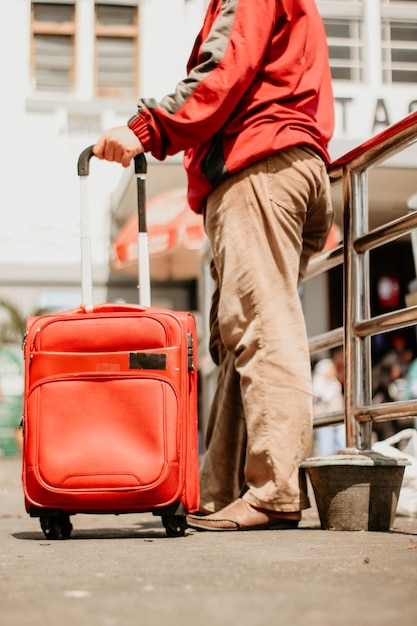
(240, 515)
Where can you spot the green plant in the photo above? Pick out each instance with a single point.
(13, 329)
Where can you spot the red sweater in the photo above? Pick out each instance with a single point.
(258, 81)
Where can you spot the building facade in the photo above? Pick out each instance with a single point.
(72, 69)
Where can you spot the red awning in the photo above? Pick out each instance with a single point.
(176, 236)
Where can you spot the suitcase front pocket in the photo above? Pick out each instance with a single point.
(53, 364)
(102, 432)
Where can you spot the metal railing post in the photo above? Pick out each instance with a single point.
(335, 479)
(350, 426)
(361, 347)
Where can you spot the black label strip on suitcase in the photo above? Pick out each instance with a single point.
(147, 361)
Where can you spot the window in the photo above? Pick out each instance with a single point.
(399, 41)
(53, 47)
(60, 30)
(116, 51)
(343, 21)
(345, 42)
(399, 51)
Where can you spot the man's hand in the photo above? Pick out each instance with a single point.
(118, 144)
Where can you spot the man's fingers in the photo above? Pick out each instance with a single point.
(98, 148)
(108, 149)
(126, 162)
(118, 144)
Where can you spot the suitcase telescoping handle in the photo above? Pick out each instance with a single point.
(144, 281)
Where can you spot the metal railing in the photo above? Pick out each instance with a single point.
(359, 325)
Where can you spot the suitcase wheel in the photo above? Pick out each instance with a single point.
(56, 526)
(174, 525)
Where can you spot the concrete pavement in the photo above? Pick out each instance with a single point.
(122, 570)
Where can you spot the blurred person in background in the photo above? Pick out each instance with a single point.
(328, 398)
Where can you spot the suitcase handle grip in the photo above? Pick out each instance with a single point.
(85, 156)
(109, 307)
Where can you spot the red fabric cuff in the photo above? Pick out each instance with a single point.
(142, 131)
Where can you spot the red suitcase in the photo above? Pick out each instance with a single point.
(110, 414)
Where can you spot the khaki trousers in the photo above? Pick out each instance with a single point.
(263, 223)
